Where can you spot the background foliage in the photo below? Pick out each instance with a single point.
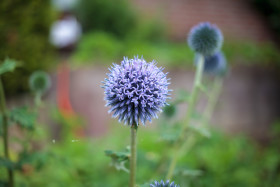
(113, 16)
(101, 47)
(24, 27)
(219, 161)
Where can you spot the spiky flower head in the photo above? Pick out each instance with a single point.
(205, 39)
(215, 64)
(163, 184)
(39, 82)
(136, 90)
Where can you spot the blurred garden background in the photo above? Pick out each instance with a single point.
(76, 41)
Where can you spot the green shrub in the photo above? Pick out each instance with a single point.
(100, 46)
(24, 30)
(219, 161)
(114, 16)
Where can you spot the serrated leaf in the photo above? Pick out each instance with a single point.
(8, 65)
(119, 158)
(23, 117)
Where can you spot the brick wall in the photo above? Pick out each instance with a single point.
(237, 18)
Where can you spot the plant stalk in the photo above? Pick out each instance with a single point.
(194, 94)
(180, 143)
(6, 133)
(133, 156)
(213, 98)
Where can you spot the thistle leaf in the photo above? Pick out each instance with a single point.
(119, 159)
(8, 65)
(23, 117)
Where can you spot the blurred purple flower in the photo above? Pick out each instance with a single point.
(136, 90)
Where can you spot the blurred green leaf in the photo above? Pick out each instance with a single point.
(170, 133)
(182, 96)
(119, 158)
(23, 117)
(170, 110)
(8, 65)
(35, 159)
(190, 172)
(197, 116)
(201, 130)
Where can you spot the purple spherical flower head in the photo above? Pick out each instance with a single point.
(136, 90)
(205, 39)
(163, 184)
(215, 64)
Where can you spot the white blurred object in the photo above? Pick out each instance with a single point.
(64, 5)
(65, 32)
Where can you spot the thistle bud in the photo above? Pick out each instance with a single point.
(205, 39)
(39, 82)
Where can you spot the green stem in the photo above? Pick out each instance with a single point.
(180, 144)
(38, 99)
(5, 132)
(194, 94)
(184, 148)
(133, 156)
(213, 98)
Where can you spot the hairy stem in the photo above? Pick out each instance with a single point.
(5, 133)
(133, 156)
(180, 144)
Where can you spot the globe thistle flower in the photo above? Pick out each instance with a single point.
(215, 64)
(163, 184)
(136, 90)
(205, 39)
(39, 82)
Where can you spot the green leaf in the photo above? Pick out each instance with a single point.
(201, 130)
(182, 96)
(23, 117)
(171, 133)
(169, 110)
(36, 159)
(8, 65)
(119, 158)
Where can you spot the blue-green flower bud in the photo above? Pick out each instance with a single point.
(205, 39)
